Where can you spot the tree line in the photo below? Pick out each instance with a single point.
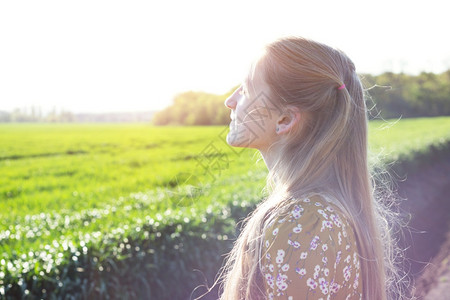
(389, 95)
(195, 108)
(407, 96)
(35, 114)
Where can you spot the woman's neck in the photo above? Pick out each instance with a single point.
(268, 157)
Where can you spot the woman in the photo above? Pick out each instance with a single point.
(320, 234)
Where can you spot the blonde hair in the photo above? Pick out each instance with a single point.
(327, 155)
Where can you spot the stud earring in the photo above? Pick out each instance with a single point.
(278, 129)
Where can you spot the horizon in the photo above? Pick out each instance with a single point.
(132, 57)
(62, 109)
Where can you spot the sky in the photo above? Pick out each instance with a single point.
(125, 56)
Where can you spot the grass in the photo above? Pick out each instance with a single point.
(405, 138)
(71, 168)
(73, 186)
(75, 167)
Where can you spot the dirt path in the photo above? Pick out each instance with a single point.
(436, 280)
(428, 236)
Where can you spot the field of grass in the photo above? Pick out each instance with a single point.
(403, 139)
(73, 167)
(68, 188)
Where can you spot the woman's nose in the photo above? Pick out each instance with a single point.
(230, 102)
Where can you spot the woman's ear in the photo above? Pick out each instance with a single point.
(288, 120)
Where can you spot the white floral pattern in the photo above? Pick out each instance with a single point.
(312, 254)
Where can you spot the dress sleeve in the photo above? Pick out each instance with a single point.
(310, 254)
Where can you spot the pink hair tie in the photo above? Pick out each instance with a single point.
(341, 87)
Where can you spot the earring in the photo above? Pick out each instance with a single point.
(278, 129)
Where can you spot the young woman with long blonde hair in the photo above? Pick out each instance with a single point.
(320, 233)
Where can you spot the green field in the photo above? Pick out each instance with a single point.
(67, 189)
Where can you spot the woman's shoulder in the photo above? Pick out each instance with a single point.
(316, 213)
(311, 249)
(308, 223)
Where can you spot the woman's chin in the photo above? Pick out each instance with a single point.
(231, 139)
(235, 140)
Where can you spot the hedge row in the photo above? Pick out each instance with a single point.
(163, 258)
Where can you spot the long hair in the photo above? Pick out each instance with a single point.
(327, 155)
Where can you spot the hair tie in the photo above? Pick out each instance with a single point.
(341, 87)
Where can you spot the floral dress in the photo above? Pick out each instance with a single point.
(311, 253)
